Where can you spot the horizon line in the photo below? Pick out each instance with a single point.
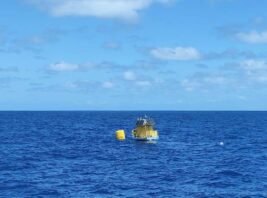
(218, 110)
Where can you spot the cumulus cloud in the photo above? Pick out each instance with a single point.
(252, 37)
(253, 65)
(129, 75)
(243, 74)
(143, 83)
(83, 86)
(107, 85)
(112, 45)
(177, 53)
(63, 66)
(255, 71)
(204, 80)
(32, 43)
(229, 54)
(119, 9)
(135, 79)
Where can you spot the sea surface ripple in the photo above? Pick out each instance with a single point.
(75, 154)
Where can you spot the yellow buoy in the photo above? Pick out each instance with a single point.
(120, 135)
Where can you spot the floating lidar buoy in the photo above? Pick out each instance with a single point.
(144, 130)
(120, 135)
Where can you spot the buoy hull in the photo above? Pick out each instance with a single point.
(146, 138)
(120, 135)
(142, 134)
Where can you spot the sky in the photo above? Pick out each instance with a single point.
(133, 55)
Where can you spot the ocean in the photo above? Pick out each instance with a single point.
(76, 154)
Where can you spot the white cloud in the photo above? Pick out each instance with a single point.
(253, 65)
(204, 80)
(36, 40)
(69, 67)
(143, 83)
(107, 85)
(177, 53)
(262, 78)
(239, 76)
(255, 71)
(189, 84)
(253, 37)
(111, 45)
(63, 66)
(129, 75)
(120, 9)
(82, 85)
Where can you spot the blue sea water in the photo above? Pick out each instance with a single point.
(75, 154)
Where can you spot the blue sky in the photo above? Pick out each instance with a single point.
(133, 55)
